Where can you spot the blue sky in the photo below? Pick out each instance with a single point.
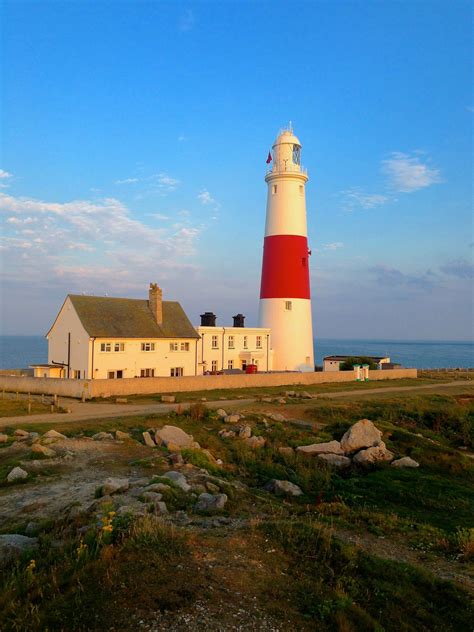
(134, 139)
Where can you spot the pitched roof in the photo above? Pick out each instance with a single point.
(105, 317)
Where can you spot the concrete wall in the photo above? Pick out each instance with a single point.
(107, 388)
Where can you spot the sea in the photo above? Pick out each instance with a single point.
(18, 352)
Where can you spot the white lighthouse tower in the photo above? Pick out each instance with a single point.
(285, 299)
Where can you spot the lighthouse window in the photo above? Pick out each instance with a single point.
(288, 305)
(296, 154)
(274, 189)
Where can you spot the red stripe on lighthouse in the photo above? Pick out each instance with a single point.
(285, 269)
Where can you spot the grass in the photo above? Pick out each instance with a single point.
(15, 408)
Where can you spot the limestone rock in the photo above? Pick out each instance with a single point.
(157, 488)
(33, 437)
(232, 419)
(289, 394)
(405, 461)
(227, 434)
(179, 480)
(331, 447)
(335, 459)
(255, 442)
(280, 400)
(54, 434)
(209, 502)
(175, 436)
(168, 398)
(3, 438)
(12, 545)
(277, 417)
(147, 438)
(115, 486)
(19, 433)
(283, 488)
(305, 395)
(151, 497)
(121, 436)
(376, 454)
(211, 487)
(131, 510)
(160, 507)
(102, 436)
(362, 434)
(17, 474)
(37, 448)
(221, 413)
(245, 432)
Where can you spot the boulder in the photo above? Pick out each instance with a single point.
(211, 487)
(286, 450)
(176, 458)
(102, 436)
(147, 438)
(121, 436)
(54, 434)
(160, 507)
(151, 497)
(255, 442)
(37, 448)
(289, 394)
(179, 480)
(227, 434)
(232, 419)
(376, 454)
(283, 488)
(362, 434)
(305, 395)
(157, 488)
(17, 474)
(13, 545)
(175, 436)
(33, 437)
(21, 433)
(245, 432)
(210, 503)
(168, 398)
(115, 486)
(331, 447)
(221, 413)
(131, 510)
(277, 417)
(335, 459)
(3, 438)
(405, 461)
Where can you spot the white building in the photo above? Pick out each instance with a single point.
(96, 337)
(230, 348)
(333, 363)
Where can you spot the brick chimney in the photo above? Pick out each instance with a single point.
(155, 302)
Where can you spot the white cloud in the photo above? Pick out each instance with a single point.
(355, 199)
(155, 183)
(206, 198)
(407, 173)
(182, 138)
(4, 174)
(127, 181)
(336, 245)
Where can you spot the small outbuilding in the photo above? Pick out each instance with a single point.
(333, 362)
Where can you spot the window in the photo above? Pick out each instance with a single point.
(230, 364)
(105, 346)
(147, 372)
(274, 189)
(231, 342)
(173, 346)
(119, 346)
(184, 346)
(245, 342)
(77, 375)
(111, 375)
(148, 346)
(215, 342)
(259, 342)
(288, 306)
(177, 371)
(296, 154)
(214, 365)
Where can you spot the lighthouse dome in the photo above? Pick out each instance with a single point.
(286, 136)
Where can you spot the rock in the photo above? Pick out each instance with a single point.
(335, 459)
(179, 480)
(227, 434)
(255, 442)
(115, 486)
(405, 461)
(283, 488)
(151, 497)
(13, 545)
(362, 434)
(160, 507)
(286, 450)
(277, 417)
(157, 487)
(280, 400)
(219, 462)
(168, 398)
(147, 438)
(102, 436)
(176, 458)
(211, 487)
(198, 488)
(54, 434)
(232, 419)
(209, 502)
(245, 432)
(331, 447)
(17, 474)
(175, 436)
(305, 395)
(121, 400)
(130, 510)
(33, 437)
(376, 454)
(289, 394)
(221, 413)
(3, 438)
(37, 448)
(121, 436)
(21, 433)
(32, 529)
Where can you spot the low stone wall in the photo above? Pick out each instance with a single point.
(144, 386)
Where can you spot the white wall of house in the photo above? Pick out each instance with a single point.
(67, 322)
(234, 348)
(334, 365)
(164, 357)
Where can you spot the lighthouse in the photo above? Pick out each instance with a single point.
(285, 299)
